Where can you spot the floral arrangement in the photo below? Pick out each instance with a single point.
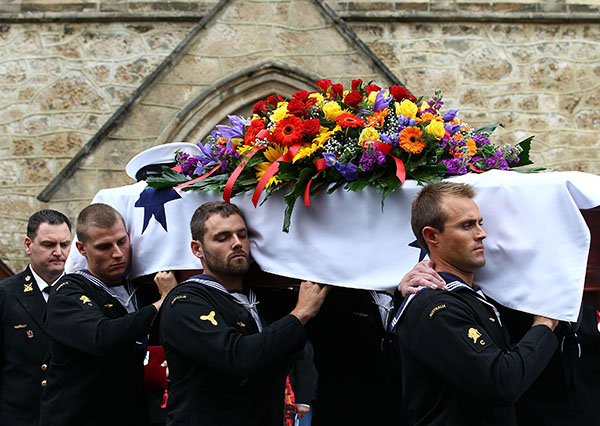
(339, 137)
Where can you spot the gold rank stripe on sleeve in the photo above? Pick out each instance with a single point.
(176, 298)
(62, 285)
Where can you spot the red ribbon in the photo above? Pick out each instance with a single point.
(387, 149)
(236, 173)
(204, 176)
(475, 169)
(321, 165)
(270, 172)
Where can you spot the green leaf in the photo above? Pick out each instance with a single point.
(290, 198)
(488, 129)
(168, 179)
(524, 155)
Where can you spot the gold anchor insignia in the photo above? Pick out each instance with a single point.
(210, 317)
(474, 334)
(85, 299)
(28, 288)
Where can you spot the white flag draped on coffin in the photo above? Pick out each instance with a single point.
(536, 248)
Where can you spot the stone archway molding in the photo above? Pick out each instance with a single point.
(233, 93)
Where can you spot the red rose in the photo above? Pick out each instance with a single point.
(337, 91)
(255, 127)
(301, 95)
(353, 99)
(310, 102)
(399, 93)
(274, 100)
(411, 98)
(311, 127)
(372, 88)
(296, 107)
(356, 84)
(260, 108)
(323, 85)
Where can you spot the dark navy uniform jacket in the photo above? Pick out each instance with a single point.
(223, 371)
(23, 349)
(457, 368)
(97, 349)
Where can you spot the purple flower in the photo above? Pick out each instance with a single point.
(236, 130)
(480, 140)
(449, 116)
(347, 170)
(370, 159)
(381, 102)
(405, 122)
(455, 166)
(452, 128)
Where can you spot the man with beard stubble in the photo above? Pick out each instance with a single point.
(226, 366)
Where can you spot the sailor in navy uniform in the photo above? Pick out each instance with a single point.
(226, 365)
(457, 368)
(97, 333)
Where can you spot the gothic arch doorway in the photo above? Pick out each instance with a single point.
(235, 94)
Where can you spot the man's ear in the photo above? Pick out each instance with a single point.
(197, 249)
(430, 235)
(27, 243)
(81, 248)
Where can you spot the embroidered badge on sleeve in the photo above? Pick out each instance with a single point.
(475, 337)
(210, 317)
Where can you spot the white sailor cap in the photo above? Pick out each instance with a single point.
(160, 154)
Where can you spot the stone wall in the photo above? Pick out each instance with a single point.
(67, 66)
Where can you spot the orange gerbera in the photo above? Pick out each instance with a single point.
(426, 117)
(376, 120)
(468, 149)
(349, 120)
(410, 140)
(288, 131)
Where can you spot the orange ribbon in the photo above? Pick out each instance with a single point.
(321, 165)
(386, 149)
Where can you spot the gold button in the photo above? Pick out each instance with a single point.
(44, 367)
(43, 383)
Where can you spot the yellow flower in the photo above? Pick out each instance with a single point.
(318, 97)
(280, 112)
(306, 151)
(324, 135)
(408, 108)
(271, 154)
(331, 110)
(366, 134)
(243, 149)
(371, 97)
(436, 128)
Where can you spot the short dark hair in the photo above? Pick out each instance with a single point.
(202, 213)
(51, 217)
(99, 215)
(427, 207)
